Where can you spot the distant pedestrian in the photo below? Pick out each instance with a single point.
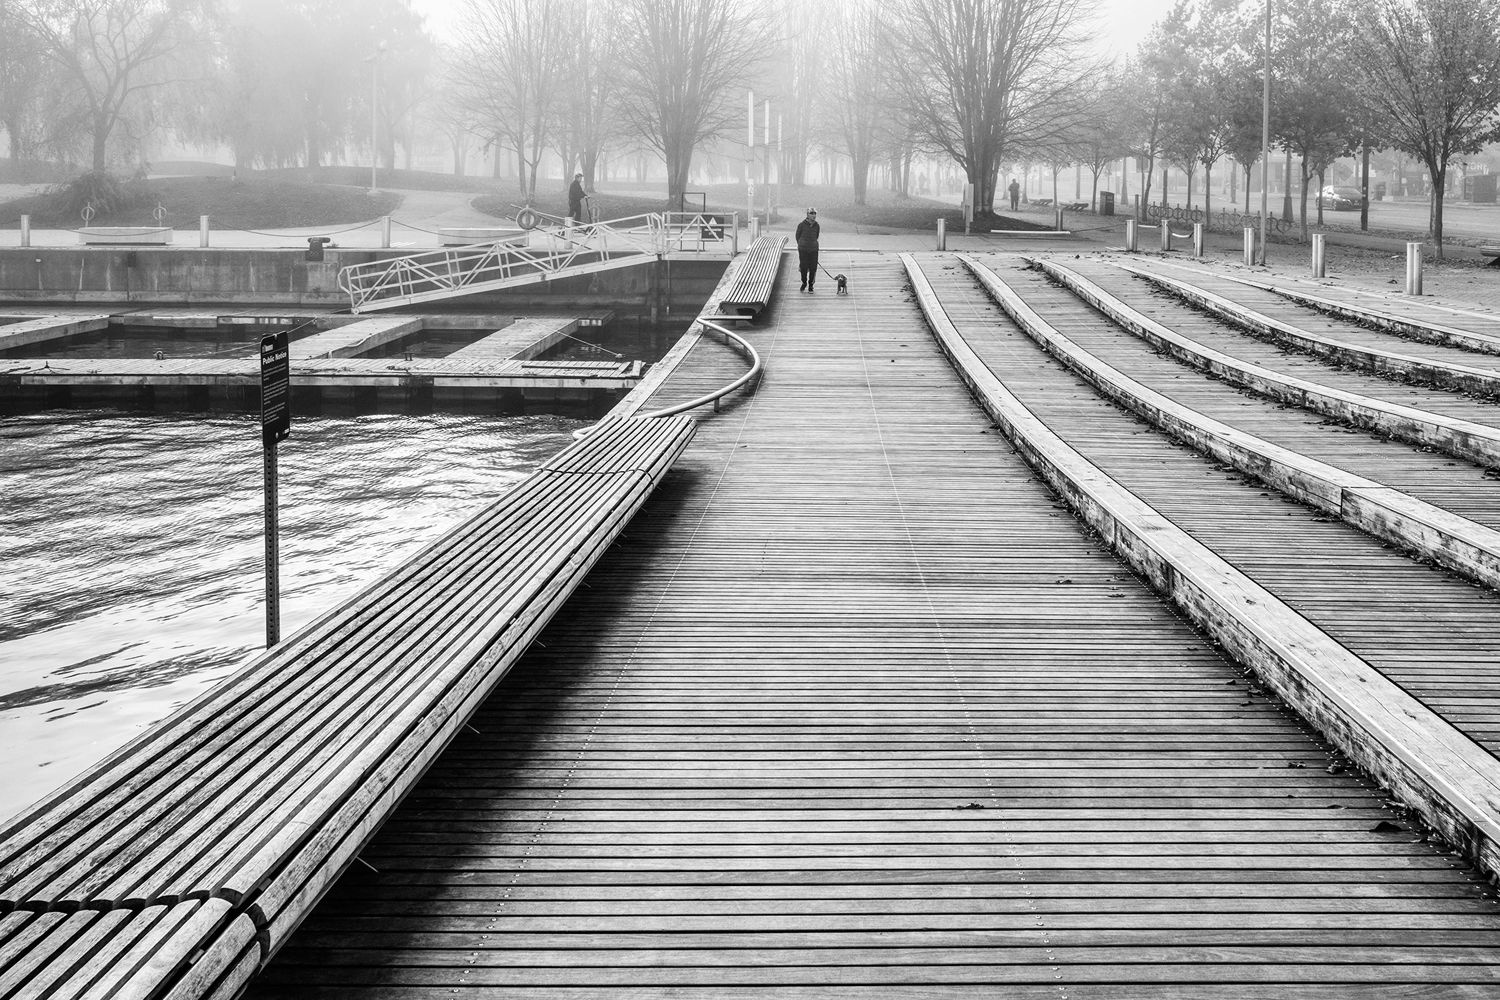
(1015, 194)
(576, 194)
(807, 249)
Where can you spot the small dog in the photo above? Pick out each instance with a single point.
(843, 284)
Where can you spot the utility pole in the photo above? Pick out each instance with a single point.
(750, 157)
(1265, 141)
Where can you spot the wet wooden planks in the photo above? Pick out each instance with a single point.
(854, 706)
(522, 340)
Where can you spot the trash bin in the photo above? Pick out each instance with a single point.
(1106, 203)
(315, 246)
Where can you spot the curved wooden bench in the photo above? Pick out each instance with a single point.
(755, 279)
(178, 865)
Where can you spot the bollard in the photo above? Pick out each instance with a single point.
(942, 241)
(754, 228)
(1249, 247)
(1319, 255)
(385, 232)
(203, 230)
(1130, 237)
(1197, 239)
(1057, 223)
(1413, 269)
(1166, 237)
(26, 230)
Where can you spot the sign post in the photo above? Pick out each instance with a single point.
(275, 425)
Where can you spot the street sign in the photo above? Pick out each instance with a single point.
(275, 389)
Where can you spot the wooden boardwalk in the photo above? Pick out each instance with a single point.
(855, 708)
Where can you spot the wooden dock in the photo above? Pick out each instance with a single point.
(984, 647)
(856, 709)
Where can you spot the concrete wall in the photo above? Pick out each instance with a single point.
(190, 276)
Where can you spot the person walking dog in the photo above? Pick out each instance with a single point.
(807, 249)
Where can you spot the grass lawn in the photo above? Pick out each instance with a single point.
(247, 204)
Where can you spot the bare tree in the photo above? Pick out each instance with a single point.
(858, 88)
(686, 63)
(112, 51)
(512, 72)
(1312, 106)
(22, 67)
(980, 76)
(1432, 69)
(800, 72)
(591, 83)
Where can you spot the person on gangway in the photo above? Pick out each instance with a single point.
(576, 196)
(807, 249)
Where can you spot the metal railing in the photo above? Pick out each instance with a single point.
(712, 397)
(548, 252)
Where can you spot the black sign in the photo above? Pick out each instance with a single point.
(275, 389)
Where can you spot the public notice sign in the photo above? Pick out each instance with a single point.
(275, 389)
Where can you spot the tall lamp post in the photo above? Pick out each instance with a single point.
(374, 60)
(1265, 142)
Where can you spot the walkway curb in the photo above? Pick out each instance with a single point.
(1462, 377)
(1450, 540)
(1428, 764)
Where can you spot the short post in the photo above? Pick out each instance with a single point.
(1249, 247)
(1197, 239)
(734, 234)
(203, 230)
(1319, 255)
(385, 232)
(942, 240)
(1058, 220)
(1166, 236)
(26, 230)
(754, 228)
(1130, 237)
(1413, 269)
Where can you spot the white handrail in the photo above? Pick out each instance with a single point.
(717, 394)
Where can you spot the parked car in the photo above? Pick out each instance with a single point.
(1341, 199)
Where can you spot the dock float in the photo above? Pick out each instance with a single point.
(353, 339)
(34, 330)
(174, 867)
(522, 340)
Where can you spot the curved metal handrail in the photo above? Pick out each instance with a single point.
(755, 369)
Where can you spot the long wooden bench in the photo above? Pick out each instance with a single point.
(755, 279)
(179, 865)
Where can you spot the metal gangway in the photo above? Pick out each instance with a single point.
(547, 254)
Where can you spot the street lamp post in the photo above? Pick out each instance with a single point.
(1265, 141)
(374, 60)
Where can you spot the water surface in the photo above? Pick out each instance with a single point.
(131, 553)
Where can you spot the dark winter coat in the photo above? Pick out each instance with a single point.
(807, 235)
(575, 193)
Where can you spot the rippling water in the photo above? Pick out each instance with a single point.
(131, 547)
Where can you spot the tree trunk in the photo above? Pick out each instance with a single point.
(1164, 185)
(861, 178)
(590, 167)
(1247, 186)
(1320, 197)
(1439, 181)
(15, 140)
(1302, 217)
(1286, 195)
(1208, 197)
(101, 137)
